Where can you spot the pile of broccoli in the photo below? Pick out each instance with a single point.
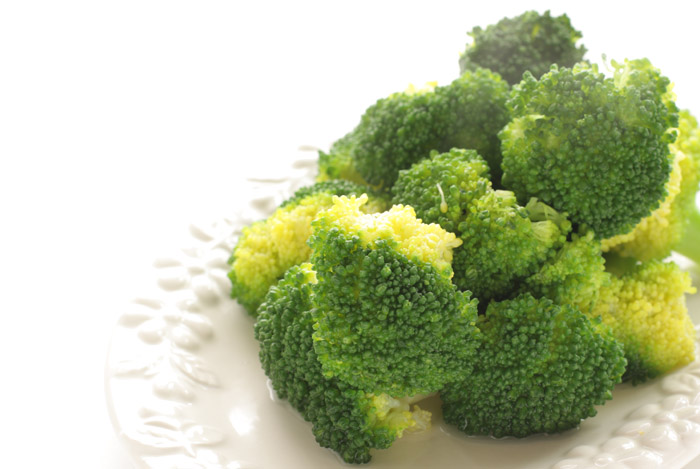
(501, 242)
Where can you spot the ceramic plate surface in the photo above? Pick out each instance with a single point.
(185, 388)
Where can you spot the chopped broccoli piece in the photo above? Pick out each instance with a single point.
(267, 248)
(389, 318)
(349, 421)
(541, 368)
(339, 163)
(670, 226)
(442, 187)
(529, 42)
(593, 147)
(574, 276)
(403, 128)
(502, 242)
(646, 310)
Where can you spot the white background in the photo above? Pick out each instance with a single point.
(121, 121)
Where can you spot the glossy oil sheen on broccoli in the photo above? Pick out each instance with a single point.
(267, 248)
(529, 42)
(349, 421)
(593, 147)
(389, 318)
(541, 368)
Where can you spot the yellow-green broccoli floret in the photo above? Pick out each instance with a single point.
(403, 128)
(540, 368)
(573, 276)
(646, 310)
(267, 248)
(349, 421)
(676, 223)
(529, 42)
(338, 162)
(593, 147)
(389, 319)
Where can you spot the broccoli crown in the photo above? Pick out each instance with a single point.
(529, 42)
(403, 128)
(591, 146)
(658, 233)
(339, 163)
(389, 318)
(442, 187)
(504, 242)
(646, 310)
(349, 421)
(540, 368)
(573, 276)
(267, 248)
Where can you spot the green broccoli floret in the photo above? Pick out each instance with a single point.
(676, 223)
(541, 368)
(574, 276)
(441, 188)
(349, 421)
(646, 310)
(389, 319)
(339, 163)
(267, 248)
(529, 42)
(502, 242)
(403, 128)
(593, 147)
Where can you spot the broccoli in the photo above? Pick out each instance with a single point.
(389, 319)
(338, 163)
(676, 223)
(349, 421)
(501, 241)
(529, 42)
(574, 276)
(593, 147)
(540, 368)
(645, 308)
(267, 248)
(403, 128)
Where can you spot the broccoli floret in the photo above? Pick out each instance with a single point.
(541, 368)
(441, 188)
(574, 276)
(501, 241)
(646, 310)
(593, 147)
(267, 248)
(349, 421)
(675, 224)
(339, 163)
(389, 318)
(403, 128)
(529, 42)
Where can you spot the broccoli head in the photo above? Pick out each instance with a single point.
(501, 241)
(389, 318)
(593, 147)
(267, 248)
(349, 421)
(403, 128)
(338, 162)
(573, 276)
(646, 310)
(540, 368)
(675, 224)
(529, 42)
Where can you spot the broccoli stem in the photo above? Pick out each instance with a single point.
(689, 245)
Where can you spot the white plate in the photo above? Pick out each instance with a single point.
(185, 388)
